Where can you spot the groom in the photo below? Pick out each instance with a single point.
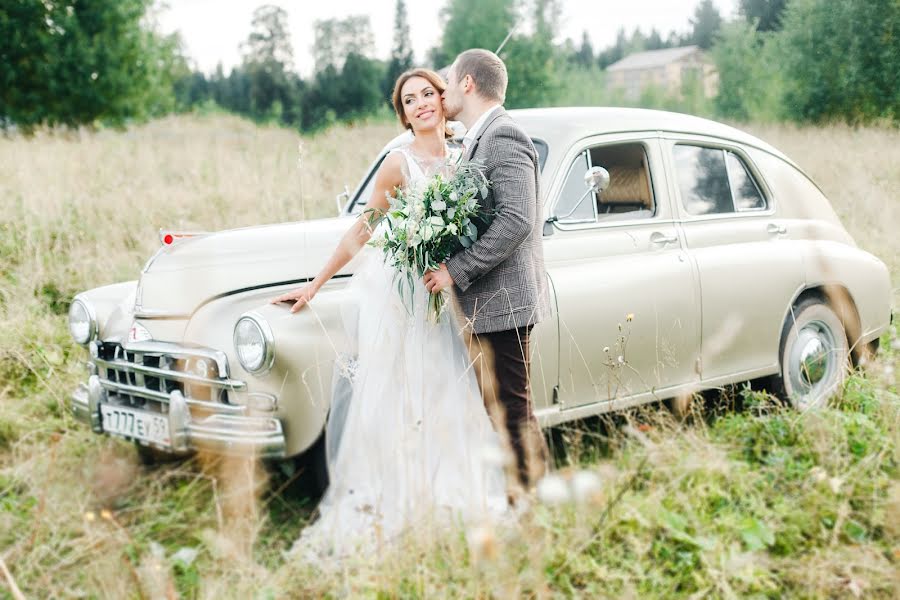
(500, 280)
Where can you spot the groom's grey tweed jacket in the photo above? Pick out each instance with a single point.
(501, 282)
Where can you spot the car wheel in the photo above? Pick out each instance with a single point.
(814, 355)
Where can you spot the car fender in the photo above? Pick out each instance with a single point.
(831, 265)
(113, 307)
(306, 345)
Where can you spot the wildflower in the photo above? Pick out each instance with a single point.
(185, 556)
(835, 483)
(629, 317)
(552, 490)
(606, 349)
(585, 486)
(106, 514)
(818, 474)
(482, 542)
(493, 455)
(89, 516)
(621, 360)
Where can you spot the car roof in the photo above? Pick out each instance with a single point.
(562, 126)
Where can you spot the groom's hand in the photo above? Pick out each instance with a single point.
(435, 281)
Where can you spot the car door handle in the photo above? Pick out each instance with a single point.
(662, 239)
(775, 229)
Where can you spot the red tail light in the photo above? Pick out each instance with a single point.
(167, 238)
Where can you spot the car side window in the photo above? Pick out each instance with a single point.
(576, 203)
(746, 193)
(628, 196)
(359, 203)
(715, 181)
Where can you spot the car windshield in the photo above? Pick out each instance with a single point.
(364, 191)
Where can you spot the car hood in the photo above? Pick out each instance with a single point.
(192, 271)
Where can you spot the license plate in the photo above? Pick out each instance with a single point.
(135, 424)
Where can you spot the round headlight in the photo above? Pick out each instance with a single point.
(253, 343)
(82, 324)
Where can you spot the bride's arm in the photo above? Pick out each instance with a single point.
(388, 178)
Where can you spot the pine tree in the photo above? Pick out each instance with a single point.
(706, 24)
(585, 54)
(401, 52)
(765, 13)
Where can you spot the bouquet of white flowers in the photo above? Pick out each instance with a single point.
(429, 223)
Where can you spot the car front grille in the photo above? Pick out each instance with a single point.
(143, 375)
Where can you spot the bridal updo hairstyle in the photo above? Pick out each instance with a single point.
(433, 78)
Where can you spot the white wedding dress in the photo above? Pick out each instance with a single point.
(417, 448)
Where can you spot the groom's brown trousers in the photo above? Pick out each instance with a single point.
(501, 362)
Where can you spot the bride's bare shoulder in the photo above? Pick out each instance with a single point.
(392, 166)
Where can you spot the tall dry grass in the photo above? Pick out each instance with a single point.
(764, 502)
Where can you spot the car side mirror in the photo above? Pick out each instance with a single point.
(596, 179)
(341, 200)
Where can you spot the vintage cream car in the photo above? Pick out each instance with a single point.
(709, 258)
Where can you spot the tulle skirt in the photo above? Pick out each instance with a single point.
(417, 450)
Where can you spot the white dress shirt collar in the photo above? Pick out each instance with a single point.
(472, 132)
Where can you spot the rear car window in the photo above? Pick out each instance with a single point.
(715, 181)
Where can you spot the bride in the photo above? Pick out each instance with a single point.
(417, 446)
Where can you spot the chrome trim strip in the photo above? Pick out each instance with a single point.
(141, 392)
(133, 390)
(177, 350)
(150, 313)
(228, 384)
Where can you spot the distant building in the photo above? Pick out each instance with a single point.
(665, 69)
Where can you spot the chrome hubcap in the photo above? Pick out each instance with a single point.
(813, 362)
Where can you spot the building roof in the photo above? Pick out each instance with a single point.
(652, 58)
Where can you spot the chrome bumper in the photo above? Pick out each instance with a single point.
(218, 433)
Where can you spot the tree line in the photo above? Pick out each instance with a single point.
(75, 62)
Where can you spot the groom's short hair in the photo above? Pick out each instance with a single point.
(488, 71)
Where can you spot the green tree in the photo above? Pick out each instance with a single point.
(840, 59)
(751, 84)
(401, 52)
(268, 60)
(705, 24)
(585, 54)
(336, 39)
(614, 53)
(476, 24)
(532, 61)
(348, 81)
(72, 63)
(765, 13)
(360, 85)
(654, 41)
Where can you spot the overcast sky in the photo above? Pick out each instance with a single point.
(213, 29)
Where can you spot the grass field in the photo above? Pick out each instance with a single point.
(748, 500)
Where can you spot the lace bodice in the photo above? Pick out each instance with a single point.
(419, 169)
